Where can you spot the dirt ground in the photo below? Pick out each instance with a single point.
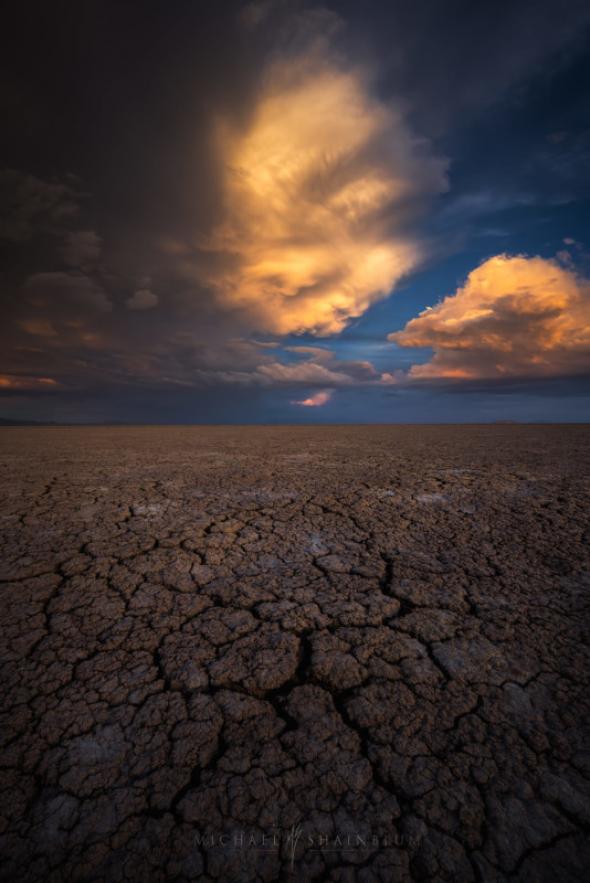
(289, 653)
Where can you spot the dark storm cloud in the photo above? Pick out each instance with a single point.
(458, 58)
(112, 180)
(29, 205)
(81, 248)
(70, 295)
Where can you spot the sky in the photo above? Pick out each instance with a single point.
(289, 212)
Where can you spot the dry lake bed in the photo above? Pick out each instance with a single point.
(289, 653)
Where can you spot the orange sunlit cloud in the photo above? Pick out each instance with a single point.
(514, 317)
(316, 400)
(316, 193)
(9, 382)
(38, 327)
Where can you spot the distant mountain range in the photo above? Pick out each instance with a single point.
(4, 422)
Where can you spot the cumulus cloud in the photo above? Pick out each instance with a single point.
(513, 317)
(239, 363)
(316, 400)
(304, 373)
(142, 299)
(320, 368)
(319, 188)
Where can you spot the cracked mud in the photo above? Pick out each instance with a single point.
(258, 654)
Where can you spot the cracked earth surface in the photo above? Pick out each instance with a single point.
(370, 635)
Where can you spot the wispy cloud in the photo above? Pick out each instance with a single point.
(21, 383)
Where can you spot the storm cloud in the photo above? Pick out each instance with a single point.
(227, 207)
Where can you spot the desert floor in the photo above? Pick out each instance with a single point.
(275, 653)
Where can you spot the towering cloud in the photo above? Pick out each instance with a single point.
(319, 189)
(514, 317)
